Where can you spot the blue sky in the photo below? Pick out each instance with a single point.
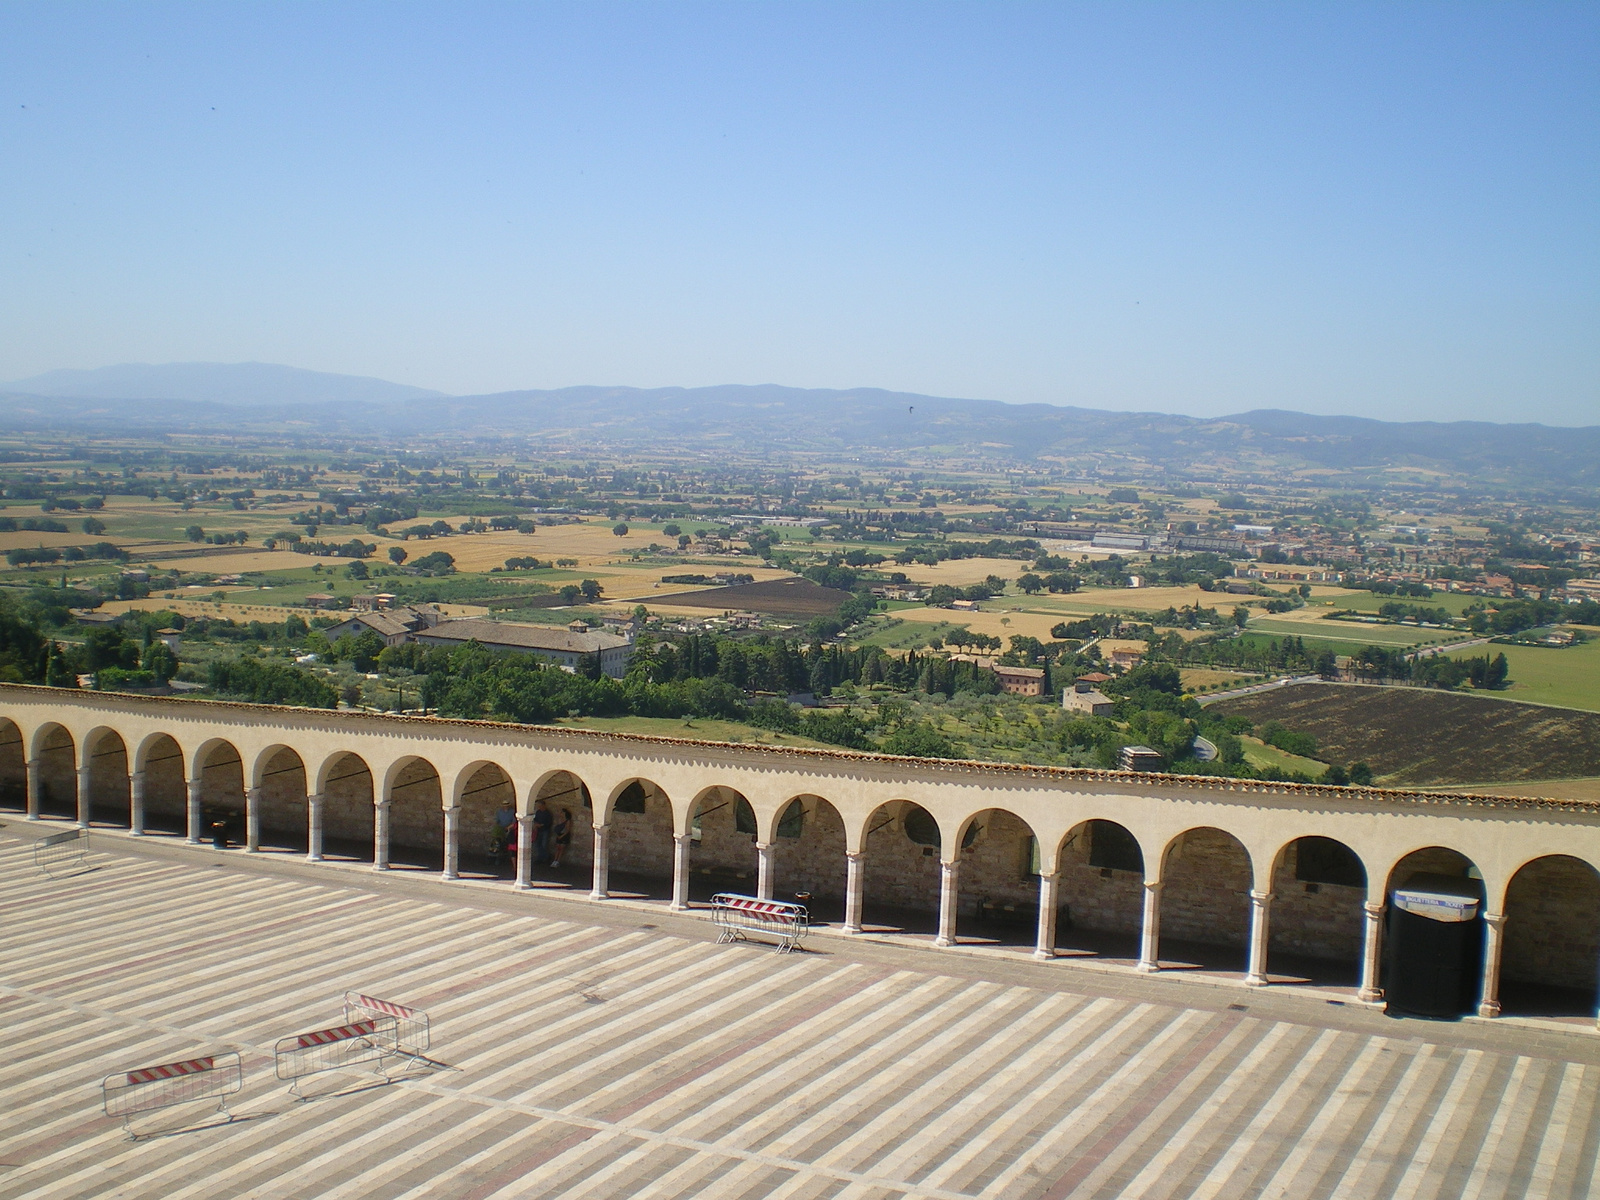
(1388, 210)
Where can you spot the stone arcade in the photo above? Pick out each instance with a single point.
(1260, 868)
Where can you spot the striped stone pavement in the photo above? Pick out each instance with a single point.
(601, 1061)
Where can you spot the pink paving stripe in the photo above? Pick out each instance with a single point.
(1155, 1092)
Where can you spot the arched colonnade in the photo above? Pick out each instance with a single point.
(1270, 871)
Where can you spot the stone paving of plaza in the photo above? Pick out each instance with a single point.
(593, 1057)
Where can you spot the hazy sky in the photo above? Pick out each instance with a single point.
(1388, 209)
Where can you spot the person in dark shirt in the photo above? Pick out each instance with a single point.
(560, 837)
(543, 820)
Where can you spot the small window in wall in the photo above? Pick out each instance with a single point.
(1323, 860)
(1030, 857)
(1111, 846)
(632, 799)
(792, 823)
(744, 817)
(921, 828)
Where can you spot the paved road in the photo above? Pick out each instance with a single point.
(601, 1058)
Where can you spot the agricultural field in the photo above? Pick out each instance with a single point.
(783, 596)
(1351, 634)
(1424, 737)
(1566, 676)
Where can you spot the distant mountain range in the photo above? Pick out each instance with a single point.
(751, 421)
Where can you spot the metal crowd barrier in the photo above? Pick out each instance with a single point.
(302, 1054)
(738, 916)
(146, 1089)
(61, 855)
(414, 1036)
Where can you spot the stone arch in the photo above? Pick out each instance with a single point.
(486, 830)
(280, 774)
(416, 813)
(1101, 867)
(56, 753)
(106, 756)
(901, 843)
(1206, 878)
(568, 796)
(219, 768)
(160, 760)
(722, 828)
(809, 855)
(13, 766)
(998, 885)
(1316, 925)
(1550, 962)
(639, 815)
(345, 781)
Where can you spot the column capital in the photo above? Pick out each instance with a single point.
(1494, 919)
(763, 846)
(1374, 909)
(1260, 897)
(682, 839)
(1154, 885)
(855, 855)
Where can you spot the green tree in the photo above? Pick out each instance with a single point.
(1031, 584)
(591, 590)
(620, 529)
(94, 526)
(194, 533)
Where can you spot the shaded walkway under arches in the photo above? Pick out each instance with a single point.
(1550, 965)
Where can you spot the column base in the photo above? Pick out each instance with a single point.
(519, 886)
(313, 858)
(1044, 955)
(31, 817)
(1369, 995)
(380, 866)
(944, 941)
(1149, 968)
(599, 895)
(135, 833)
(449, 876)
(853, 929)
(1491, 1009)
(1256, 981)
(675, 907)
(193, 842)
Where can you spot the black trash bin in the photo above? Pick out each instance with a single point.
(1433, 959)
(219, 834)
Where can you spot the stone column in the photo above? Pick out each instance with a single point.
(136, 804)
(1260, 933)
(764, 870)
(949, 894)
(380, 836)
(601, 889)
(252, 820)
(1494, 938)
(85, 801)
(855, 871)
(680, 872)
(1371, 952)
(1049, 885)
(452, 843)
(1150, 933)
(196, 787)
(314, 803)
(35, 787)
(524, 853)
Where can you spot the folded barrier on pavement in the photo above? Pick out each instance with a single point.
(739, 916)
(146, 1089)
(59, 855)
(350, 1045)
(412, 1030)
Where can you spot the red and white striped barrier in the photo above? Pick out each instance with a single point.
(145, 1089)
(412, 1027)
(302, 1054)
(738, 916)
